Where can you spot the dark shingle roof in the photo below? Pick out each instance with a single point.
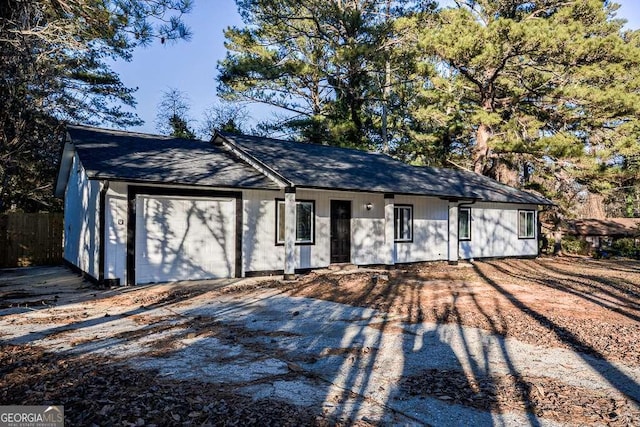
(129, 156)
(613, 227)
(119, 155)
(321, 166)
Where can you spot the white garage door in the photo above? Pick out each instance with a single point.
(184, 238)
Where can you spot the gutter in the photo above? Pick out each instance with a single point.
(472, 200)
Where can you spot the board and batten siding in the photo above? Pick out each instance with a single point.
(116, 233)
(176, 236)
(260, 252)
(493, 229)
(494, 232)
(81, 219)
(430, 230)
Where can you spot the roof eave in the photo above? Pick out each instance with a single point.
(388, 191)
(113, 178)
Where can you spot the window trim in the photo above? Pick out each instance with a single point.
(526, 211)
(464, 239)
(313, 223)
(395, 239)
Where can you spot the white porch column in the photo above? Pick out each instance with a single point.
(289, 233)
(453, 233)
(389, 225)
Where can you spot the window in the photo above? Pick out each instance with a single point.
(464, 224)
(403, 223)
(305, 212)
(526, 224)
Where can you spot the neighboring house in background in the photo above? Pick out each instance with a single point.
(145, 208)
(602, 232)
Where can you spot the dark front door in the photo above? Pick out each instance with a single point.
(340, 231)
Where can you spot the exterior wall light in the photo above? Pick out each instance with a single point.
(369, 206)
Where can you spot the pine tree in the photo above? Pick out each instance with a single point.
(53, 64)
(522, 87)
(317, 60)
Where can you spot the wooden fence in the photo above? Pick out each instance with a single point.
(30, 239)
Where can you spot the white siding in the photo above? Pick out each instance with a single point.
(81, 213)
(494, 232)
(493, 229)
(116, 232)
(116, 243)
(367, 226)
(430, 230)
(260, 252)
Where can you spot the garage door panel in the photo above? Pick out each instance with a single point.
(184, 238)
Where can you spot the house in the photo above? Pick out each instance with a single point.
(602, 232)
(145, 208)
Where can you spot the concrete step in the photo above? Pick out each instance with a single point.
(343, 267)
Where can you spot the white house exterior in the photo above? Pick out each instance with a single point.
(142, 209)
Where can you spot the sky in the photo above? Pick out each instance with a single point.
(191, 66)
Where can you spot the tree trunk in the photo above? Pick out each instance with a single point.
(558, 220)
(557, 242)
(481, 150)
(526, 172)
(503, 173)
(385, 92)
(385, 107)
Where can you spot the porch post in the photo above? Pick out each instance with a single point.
(453, 232)
(389, 225)
(289, 233)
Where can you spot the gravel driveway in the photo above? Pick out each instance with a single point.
(340, 362)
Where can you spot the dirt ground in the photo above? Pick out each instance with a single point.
(516, 342)
(591, 306)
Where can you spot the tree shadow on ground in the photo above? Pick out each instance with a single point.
(95, 390)
(614, 376)
(172, 296)
(613, 293)
(364, 360)
(442, 355)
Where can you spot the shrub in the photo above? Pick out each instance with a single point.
(625, 247)
(573, 245)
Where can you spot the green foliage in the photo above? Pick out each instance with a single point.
(536, 94)
(320, 61)
(625, 247)
(574, 245)
(553, 85)
(180, 129)
(54, 69)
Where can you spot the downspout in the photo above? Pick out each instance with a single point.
(102, 221)
(468, 205)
